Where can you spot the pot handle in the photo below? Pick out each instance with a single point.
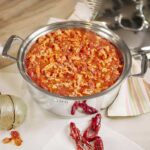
(144, 62)
(143, 26)
(139, 13)
(8, 45)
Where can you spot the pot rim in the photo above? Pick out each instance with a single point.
(98, 29)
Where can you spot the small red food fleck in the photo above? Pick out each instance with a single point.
(6, 140)
(14, 134)
(15, 137)
(18, 141)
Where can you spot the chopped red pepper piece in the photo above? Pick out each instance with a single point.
(18, 141)
(6, 140)
(14, 134)
(15, 137)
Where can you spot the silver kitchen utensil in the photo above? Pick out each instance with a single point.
(139, 18)
(126, 14)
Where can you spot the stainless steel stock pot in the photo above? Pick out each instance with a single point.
(62, 105)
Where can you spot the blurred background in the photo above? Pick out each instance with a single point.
(21, 17)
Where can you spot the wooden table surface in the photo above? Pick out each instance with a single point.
(21, 17)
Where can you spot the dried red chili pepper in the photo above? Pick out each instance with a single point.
(80, 141)
(98, 144)
(74, 107)
(89, 135)
(75, 134)
(86, 108)
(92, 131)
(95, 123)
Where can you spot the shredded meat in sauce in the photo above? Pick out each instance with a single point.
(73, 62)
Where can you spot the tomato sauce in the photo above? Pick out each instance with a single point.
(73, 62)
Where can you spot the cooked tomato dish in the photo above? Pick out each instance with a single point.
(73, 62)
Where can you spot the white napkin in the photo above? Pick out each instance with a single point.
(112, 140)
(131, 99)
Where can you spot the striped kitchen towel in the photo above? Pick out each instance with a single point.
(134, 96)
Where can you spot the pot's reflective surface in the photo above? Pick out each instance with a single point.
(63, 107)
